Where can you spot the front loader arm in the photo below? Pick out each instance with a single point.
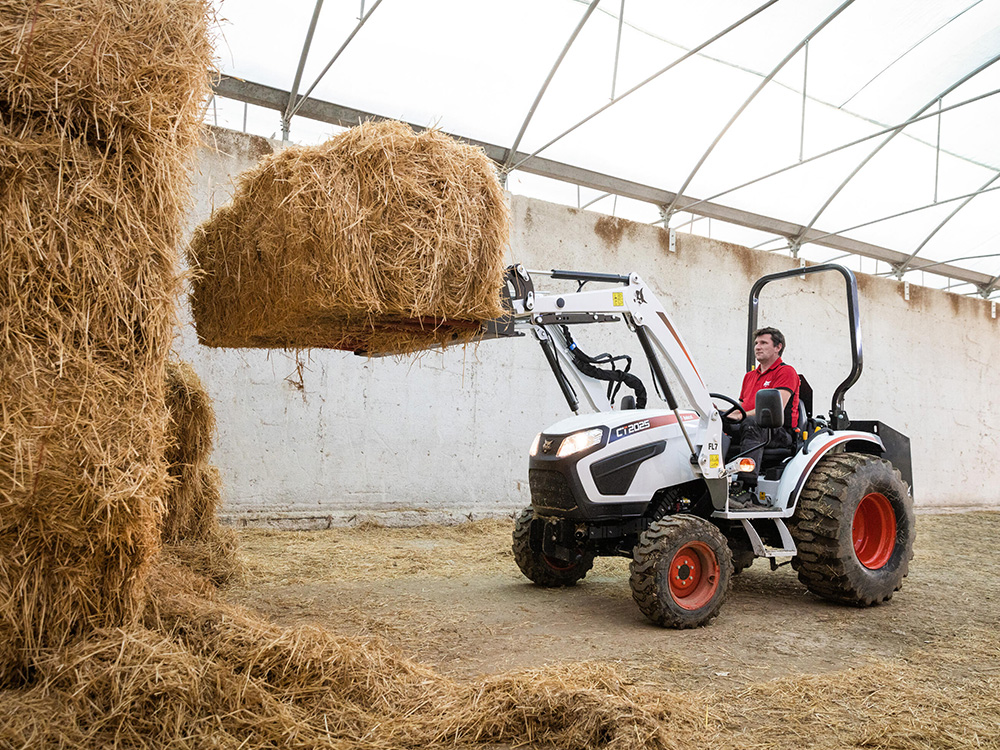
(632, 300)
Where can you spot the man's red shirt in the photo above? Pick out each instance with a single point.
(778, 375)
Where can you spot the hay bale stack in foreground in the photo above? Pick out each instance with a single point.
(191, 527)
(100, 116)
(380, 240)
(190, 509)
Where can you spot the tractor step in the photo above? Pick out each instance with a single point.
(750, 513)
(760, 549)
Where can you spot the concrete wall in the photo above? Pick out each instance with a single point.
(328, 437)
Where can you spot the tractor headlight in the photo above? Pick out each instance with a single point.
(534, 446)
(580, 441)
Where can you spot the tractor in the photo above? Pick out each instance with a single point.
(658, 486)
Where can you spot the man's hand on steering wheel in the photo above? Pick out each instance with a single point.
(736, 408)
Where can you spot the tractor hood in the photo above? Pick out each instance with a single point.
(610, 464)
(621, 424)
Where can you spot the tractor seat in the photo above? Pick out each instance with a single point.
(774, 456)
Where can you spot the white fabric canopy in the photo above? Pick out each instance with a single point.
(474, 68)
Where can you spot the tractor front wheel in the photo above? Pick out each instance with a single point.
(680, 571)
(854, 530)
(540, 568)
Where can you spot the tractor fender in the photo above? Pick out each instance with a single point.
(801, 465)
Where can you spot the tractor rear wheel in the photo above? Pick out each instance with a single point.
(540, 568)
(680, 571)
(854, 530)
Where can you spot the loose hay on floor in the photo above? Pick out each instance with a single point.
(381, 240)
(918, 673)
(943, 698)
(99, 109)
(203, 673)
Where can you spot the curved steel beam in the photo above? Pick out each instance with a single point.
(965, 197)
(618, 48)
(843, 147)
(286, 118)
(339, 52)
(590, 203)
(767, 79)
(690, 53)
(548, 79)
(906, 263)
(895, 132)
(913, 47)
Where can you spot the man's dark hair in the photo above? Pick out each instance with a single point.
(777, 337)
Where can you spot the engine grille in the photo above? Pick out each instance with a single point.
(549, 489)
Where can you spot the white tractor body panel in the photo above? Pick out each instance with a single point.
(801, 465)
(632, 429)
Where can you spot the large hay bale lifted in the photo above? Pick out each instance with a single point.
(381, 240)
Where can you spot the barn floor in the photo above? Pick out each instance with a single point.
(452, 597)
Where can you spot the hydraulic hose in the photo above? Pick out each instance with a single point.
(587, 365)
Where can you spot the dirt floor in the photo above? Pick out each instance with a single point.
(452, 597)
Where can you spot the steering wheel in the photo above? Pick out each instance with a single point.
(735, 406)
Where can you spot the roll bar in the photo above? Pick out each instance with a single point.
(838, 416)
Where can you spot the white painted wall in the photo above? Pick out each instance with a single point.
(445, 436)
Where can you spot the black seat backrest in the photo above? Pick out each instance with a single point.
(806, 395)
(805, 406)
(774, 458)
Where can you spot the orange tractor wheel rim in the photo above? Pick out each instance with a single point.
(874, 530)
(694, 575)
(556, 564)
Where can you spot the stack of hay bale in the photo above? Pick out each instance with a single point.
(381, 240)
(191, 527)
(99, 104)
(99, 116)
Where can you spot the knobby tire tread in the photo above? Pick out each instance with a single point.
(533, 564)
(821, 527)
(655, 548)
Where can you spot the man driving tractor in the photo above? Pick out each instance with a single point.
(748, 435)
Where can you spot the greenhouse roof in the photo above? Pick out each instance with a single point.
(863, 131)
